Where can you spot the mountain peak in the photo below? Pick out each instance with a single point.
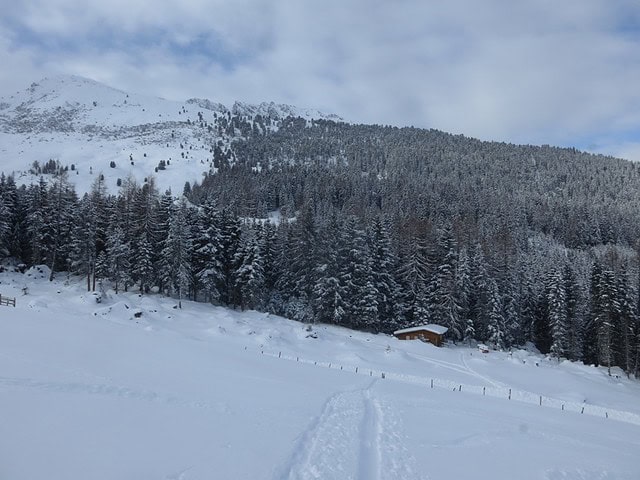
(97, 129)
(70, 85)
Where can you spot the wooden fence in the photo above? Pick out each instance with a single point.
(497, 392)
(7, 301)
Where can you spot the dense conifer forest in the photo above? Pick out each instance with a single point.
(379, 228)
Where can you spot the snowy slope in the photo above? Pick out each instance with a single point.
(83, 123)
(133, 388)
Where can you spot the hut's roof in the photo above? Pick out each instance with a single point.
(432, 327)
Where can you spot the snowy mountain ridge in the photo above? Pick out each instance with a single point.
(93, 129)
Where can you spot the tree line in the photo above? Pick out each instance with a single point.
(381, 228)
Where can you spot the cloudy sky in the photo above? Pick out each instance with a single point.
(526, 71)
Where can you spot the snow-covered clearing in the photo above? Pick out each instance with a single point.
(92, 391)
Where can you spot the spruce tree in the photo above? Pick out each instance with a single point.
(329, 294)
(145, 234)
(495, 324)
(607, 318)
(355, 274)
(268, 242)
(463, 290)
(119, 254)
(413, 276)
(249, 276)
(511, 303)
(226, 256)
(9, 218)
(574, 313)
(38, 229)
(299, 264)
(59, 223)
(143, 267)
(164, 213)
(206, 246)
(443, 299)
(100, 206)
(479, 298)
(5, 225)
(590, 342)
(383, 263)
(102, 269)
(624, 329)
(556, 299)
(177, 253)
(82, 255)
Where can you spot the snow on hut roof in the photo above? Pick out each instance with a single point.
(432, 327)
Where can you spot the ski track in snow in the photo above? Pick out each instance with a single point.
(72, 371)
(369, 462)
(478, 375)
(181, 475)
(580, 474)
(353, 438)
(456, 367)
(107, 390)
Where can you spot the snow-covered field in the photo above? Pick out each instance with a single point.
(133, 388)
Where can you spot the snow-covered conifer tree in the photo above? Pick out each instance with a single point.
(557, 313)
(383, 264)
(328, 291)
(206, 263)
(495, 324)
(443, 299)
(249, 276)
(119, 254)
(177, 253)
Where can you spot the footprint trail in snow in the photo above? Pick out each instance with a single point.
(355, 437)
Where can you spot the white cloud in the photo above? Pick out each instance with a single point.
(535, 71)
(630, 151)
(623, 149)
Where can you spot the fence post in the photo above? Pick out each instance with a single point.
(432, 383)
(279, 354)
(483, 390)
(582, 411)
(509, 394)
(540, 400)
(563, 406)
(356, 369)
(460, 388)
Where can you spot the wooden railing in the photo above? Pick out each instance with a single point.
(7, 301)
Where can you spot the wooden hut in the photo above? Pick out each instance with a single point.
(431, 333)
